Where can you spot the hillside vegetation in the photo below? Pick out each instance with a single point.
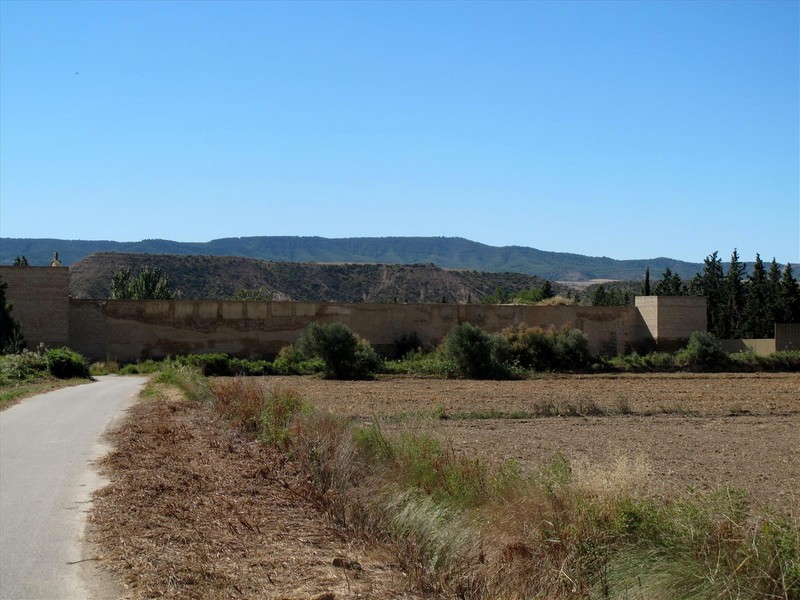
(220, 277)
(448, 253)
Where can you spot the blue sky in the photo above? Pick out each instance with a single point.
(629, 130)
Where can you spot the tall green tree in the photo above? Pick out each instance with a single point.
(21, 261)
(11, 338)
(646, 286)
(774, 286)
(789, 297)
(670, 285)
(709, 283)
(757, 319)
(732, 299)
(149, 284)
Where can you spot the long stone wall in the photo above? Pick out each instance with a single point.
(129, 330)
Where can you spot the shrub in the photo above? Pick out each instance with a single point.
(66, 364)
(23, 366)
(290, 361)
(104, 368)
(344, 355)
(532, 349)
(406, 344)
(572, 349)
(142, 368)
(187, 378)
(420, 362)
(703, 350)
(477, 354)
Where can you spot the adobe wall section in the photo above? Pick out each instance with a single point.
(40, 296)
(670, 320)
(128, 330)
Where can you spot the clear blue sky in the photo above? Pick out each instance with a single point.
(629, 130)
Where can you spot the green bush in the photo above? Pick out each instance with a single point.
(572, 349)
(344, 355)
(223, 365)
(66, 364)
(532, 349)
(419, 362)
(476, 354)
(539, 350)
(142, 368)
(703, 350)
(290, 361)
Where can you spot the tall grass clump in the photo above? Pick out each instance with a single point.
(187, 378)
(25, 366)
(257, 409)
(344, 355)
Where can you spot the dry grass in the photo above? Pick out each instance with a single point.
(197, 510)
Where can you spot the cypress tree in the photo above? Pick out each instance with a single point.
(646, 288)
(774, 287)
(733, 298)
(789, 297)
(709, 284)
(756, 315)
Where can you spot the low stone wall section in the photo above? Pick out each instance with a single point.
(128, 330)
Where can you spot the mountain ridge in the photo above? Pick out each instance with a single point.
(445, 252)
(220, 277)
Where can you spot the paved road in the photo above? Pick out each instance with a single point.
(47, 445)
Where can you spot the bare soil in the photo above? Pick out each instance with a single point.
(695, 431)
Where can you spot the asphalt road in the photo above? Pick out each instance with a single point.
(47, 447)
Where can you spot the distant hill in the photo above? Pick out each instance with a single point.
(448, 253)
(219, 277)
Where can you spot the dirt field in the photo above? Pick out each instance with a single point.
(694, 430)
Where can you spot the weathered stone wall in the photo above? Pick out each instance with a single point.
(40, 296)
(128, 330)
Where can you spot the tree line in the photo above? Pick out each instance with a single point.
(739, 305)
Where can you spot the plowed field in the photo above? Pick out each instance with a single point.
(693, 430)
